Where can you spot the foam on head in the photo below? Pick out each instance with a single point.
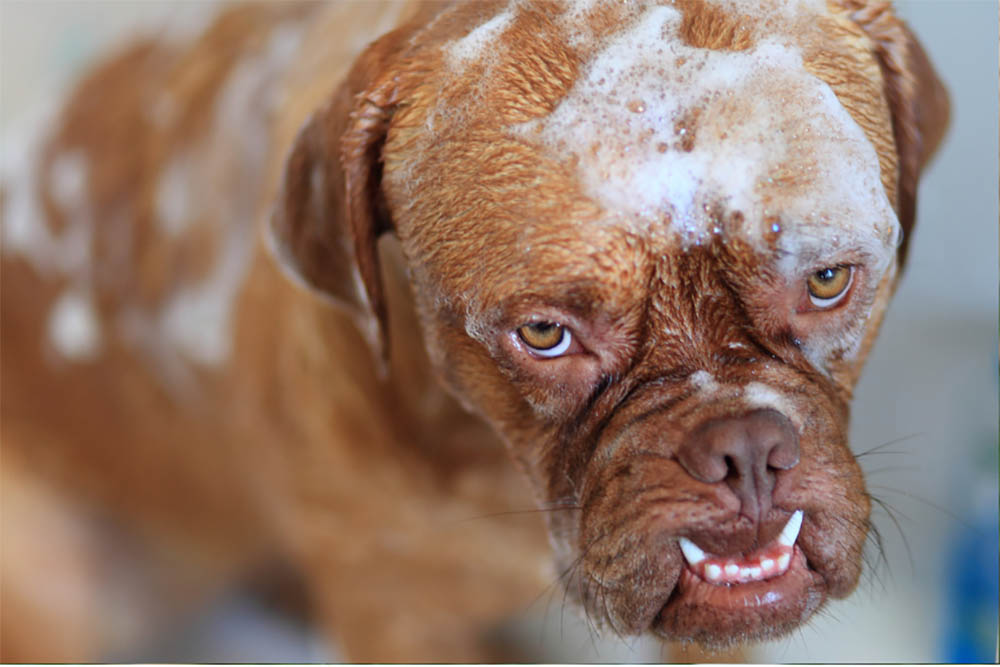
(674, 137)
(479, 41)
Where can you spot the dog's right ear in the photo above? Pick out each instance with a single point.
(329, 210)
(917, 100)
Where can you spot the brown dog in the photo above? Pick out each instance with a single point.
(645, 246)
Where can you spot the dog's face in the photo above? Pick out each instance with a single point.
(651, 245)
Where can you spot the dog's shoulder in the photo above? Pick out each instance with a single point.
(132, 210)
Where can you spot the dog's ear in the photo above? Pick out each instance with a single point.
(917, 100)
(329, 211)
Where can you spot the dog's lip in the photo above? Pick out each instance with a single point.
(715, 614)
(713, 609)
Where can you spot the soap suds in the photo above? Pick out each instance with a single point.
(214, 181)
(761, 396)
(479, 42)
(25, 231)
(68, 178)
(174, 209)
(74, 328)
(704, 381)
(218, 186)
(771, 141)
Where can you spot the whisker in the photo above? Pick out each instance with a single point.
(876, 535)
(892, 514)
(894, 441)
(602, 596)
(827, 613)
(873, 542)
(593, 631)
(878, 471)
(948, 513)
(566, 578)
(536, 510)
(868, 571)
(887, 452)
(604, 601)
(563, 578)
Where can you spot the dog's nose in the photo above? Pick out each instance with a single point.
(745, 452)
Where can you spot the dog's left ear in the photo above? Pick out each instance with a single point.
(329, 212)
(917, 100)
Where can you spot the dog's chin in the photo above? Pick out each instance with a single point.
(666, 596)
(720, 615)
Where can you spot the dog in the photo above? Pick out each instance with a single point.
(276, 293)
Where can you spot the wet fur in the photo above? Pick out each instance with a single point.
(300, 446)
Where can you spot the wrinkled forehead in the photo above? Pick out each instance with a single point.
(688, 132)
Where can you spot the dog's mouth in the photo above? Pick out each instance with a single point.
(748, 595)
(768, 562)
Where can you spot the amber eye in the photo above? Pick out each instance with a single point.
(828, 286)
(545, 338)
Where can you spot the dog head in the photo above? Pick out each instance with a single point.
(651, 244)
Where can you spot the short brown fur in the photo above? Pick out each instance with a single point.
(393, 192)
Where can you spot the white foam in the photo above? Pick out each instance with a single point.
(760, 395)
(23, 221)
(754, 114)
(68, 177)
(174, 208)
(478, 42)
(182, 23)
(74, 328)
(217, 183)
(196, 319)
(704, 381)
(763, 10)
(282, 47)
(25, 229)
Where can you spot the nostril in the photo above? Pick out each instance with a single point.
(782, 441)
(707, 468)
(783, 457)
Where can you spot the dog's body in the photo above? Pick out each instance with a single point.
(158, 365)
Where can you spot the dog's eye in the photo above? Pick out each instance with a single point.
(545, 339)
(828, 286)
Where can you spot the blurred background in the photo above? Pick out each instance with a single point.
(929, 396)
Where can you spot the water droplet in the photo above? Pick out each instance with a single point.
(636, 106)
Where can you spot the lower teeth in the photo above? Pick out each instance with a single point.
(773, 561)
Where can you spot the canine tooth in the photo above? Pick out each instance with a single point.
(783, 561)
(713, 572)
(732, 569)
(791, 530)
(692, 552)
